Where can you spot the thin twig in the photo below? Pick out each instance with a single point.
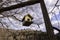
(54, 6)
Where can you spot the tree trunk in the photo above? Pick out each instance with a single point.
(47, 21)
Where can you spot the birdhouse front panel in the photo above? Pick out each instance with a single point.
(27, 18)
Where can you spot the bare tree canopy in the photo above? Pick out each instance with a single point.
(13, 11)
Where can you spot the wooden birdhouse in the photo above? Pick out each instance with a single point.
(27, 20)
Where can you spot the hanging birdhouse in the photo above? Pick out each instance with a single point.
(27, 20)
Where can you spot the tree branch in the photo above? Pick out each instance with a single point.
(23, 4)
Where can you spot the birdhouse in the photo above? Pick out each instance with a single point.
(27, 20)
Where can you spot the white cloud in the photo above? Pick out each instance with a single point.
(55, 31)
(50, 4)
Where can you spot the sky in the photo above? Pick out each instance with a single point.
(35, 12)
